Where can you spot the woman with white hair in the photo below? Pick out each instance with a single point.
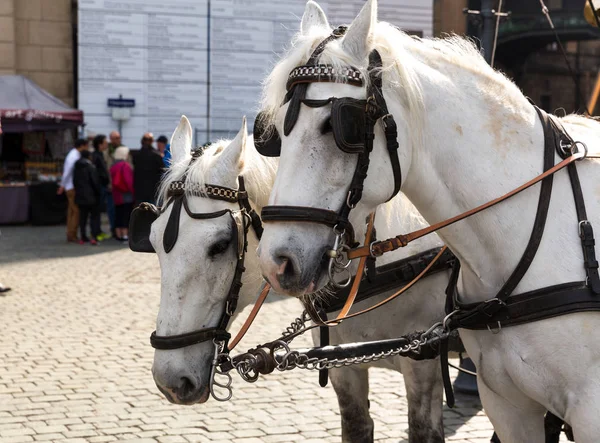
(121, 175)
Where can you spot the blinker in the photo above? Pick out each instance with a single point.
(140, 223)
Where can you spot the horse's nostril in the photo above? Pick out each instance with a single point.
(286, 267)
(186, 387)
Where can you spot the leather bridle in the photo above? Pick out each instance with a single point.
(375, 109)
(241, 220)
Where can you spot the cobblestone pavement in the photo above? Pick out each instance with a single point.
(75, 361)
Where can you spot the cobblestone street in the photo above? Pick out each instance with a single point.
(75, 361)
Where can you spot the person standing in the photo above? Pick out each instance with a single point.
(100, 143)
(115, 142)
(123, 192)
(148, 168)
(66, 186)
(87, 197)
(164, 148)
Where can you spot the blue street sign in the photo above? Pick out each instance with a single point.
(121, 103)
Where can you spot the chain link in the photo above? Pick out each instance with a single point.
(297, 325)
(294, 359)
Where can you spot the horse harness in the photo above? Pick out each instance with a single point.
(349, 116)
(144, 215)
(353, 126)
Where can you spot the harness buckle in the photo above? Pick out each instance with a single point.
(371, 252)
(576, 150)
(228, 309)
(496, 330)
(491, 306)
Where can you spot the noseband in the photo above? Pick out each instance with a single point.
(143, 216)
(353, 125)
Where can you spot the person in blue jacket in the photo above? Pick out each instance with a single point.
(163, 146)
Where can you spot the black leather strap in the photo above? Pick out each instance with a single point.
(550, 145)
(191, 338)
(172, 229)
(282, 213)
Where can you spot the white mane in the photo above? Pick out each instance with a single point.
(259, 172)
(401, 54)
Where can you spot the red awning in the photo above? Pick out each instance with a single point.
(25, 107)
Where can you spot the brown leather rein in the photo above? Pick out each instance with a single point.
(377, 249)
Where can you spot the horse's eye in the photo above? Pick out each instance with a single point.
(326, 126)
(218, 248)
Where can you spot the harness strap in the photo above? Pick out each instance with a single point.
(390, 276)
(262, 296)
(169, 342)
(379, 248)
(313, 311)
(550, 144)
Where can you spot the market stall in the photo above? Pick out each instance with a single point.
(37, 132)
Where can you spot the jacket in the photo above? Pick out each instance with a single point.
(86, 183)
(123, 169)
(100, 164)
(148, 168)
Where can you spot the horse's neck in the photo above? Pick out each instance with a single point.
(481, 139)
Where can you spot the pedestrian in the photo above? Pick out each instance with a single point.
(148, 168)
(100, 143)
(87, 196)
(164, 148)
(66, 186)
(122, 191)
(115, 142)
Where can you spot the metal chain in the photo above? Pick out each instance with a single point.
(294, 359)
(297, 325)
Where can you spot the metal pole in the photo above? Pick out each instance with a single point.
(489, 25)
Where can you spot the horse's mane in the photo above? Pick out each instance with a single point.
(259, 172)
(401, 53)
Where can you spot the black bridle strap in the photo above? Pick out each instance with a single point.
(170, 342)
(282, 213)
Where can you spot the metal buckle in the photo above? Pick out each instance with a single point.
(482, 307)
(384, 121)
(581, 223)
(495, 331)
(228, 309)
(575, 150)
(371, 253)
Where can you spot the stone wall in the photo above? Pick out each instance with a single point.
(36, 41)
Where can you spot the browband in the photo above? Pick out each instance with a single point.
(213, 191)
(323, 73)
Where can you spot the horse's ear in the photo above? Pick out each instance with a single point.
(356, 40)
(181, 141)
(313, 17)
(233, 154)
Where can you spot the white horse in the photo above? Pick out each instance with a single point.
(467, 135)
(195, 282)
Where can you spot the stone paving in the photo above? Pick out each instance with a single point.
(75, 361)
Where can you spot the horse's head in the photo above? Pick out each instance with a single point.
(196, 240)
(320, 138)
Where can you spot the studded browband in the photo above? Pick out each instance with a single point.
(212, 191)
(323, 73)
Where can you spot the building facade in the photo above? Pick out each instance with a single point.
(36, 40)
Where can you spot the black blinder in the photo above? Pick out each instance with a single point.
(140, 224)
(348, 124)
(266, 137)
